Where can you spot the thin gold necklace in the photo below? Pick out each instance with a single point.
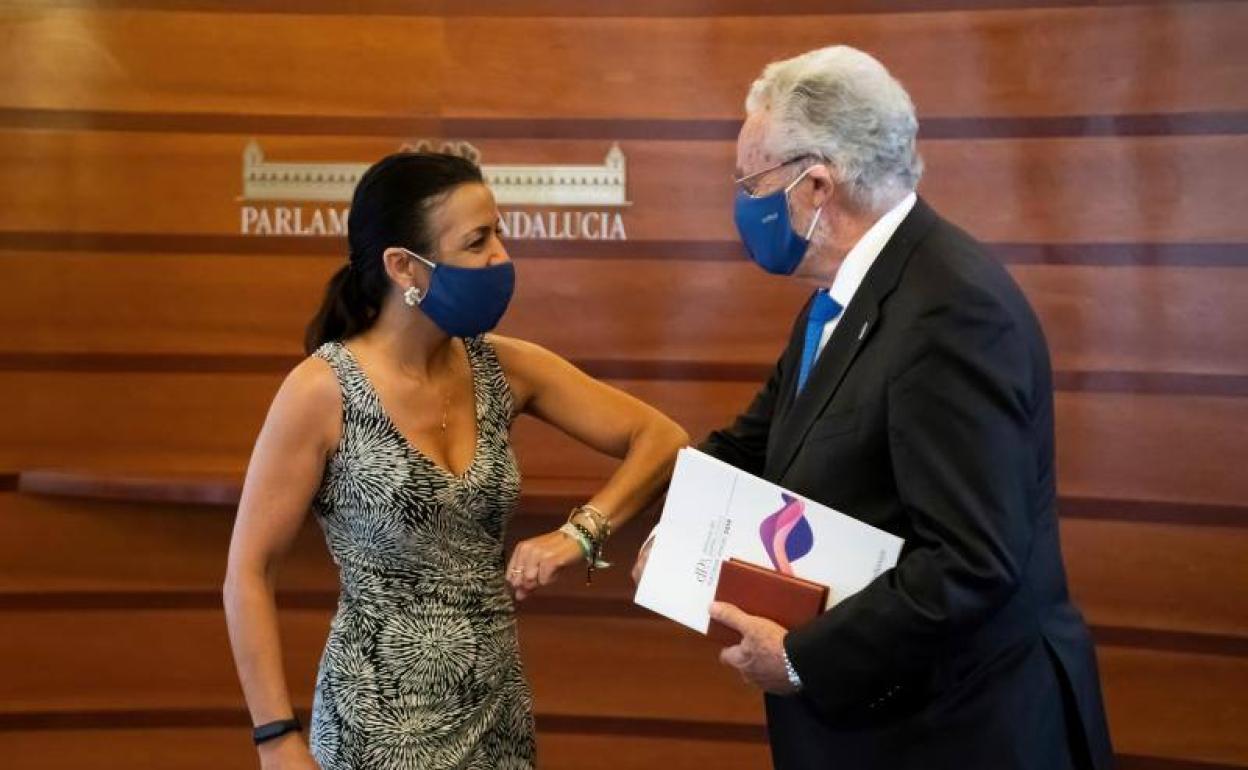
(446, 400)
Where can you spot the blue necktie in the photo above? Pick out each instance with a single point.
(822, 310)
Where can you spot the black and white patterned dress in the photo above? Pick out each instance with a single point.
(421, 670)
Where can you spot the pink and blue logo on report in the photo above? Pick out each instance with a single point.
(787, 535)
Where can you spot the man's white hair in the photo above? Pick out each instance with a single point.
(843, 105)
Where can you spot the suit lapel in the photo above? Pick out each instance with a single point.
(793, 361)
(851, 335)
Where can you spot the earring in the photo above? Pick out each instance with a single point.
(413, 296)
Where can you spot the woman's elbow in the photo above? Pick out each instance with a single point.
(241, 580)
(232, 587)
(672, 436)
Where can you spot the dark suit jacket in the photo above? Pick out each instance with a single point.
(930, 415)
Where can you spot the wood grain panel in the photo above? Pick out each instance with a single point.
(108, 546)
(186, 664)
(659, 671)
(1168, 319)
(192, 748)
(1176, 705)
(1198, 123)
(111, 546)
(166, 423)
(231, 749)
(92, 546)
(1102, 148)
(1041, 189)
(1024, 62)
(121, 749)
(583, 752)
(1013, 190)
(131, 659)
(161, 303)
(1092, 60)
(1109, 444)
(1122, 574)
(205, 62)
(1141, 319)
(1158, 575)
(575, 8)
(1151, 447)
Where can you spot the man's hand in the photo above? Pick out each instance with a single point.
(759, 656)
(642, 556)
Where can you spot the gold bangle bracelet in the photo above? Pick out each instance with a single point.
(600, 520)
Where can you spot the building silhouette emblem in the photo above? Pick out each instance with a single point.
(513, 184)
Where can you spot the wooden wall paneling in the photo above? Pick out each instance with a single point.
(217, 748)
(187, 748)
(628, 752)
(1151, 447)
(1138, 319)
(1169, 319)
(75, 59)
(1092, 60)
(1161, 576)
(1052, 190)
(663, 671)
(182, 304)
(50, 544)
(208, 422)
(1176, 705)
(335, 64)
(85, 662)
(165, 183)
(1122, 573)
(161, 423)
(1100, 148)
(127, 659)
(56, 545)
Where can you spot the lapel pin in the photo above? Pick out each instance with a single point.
(863, 332)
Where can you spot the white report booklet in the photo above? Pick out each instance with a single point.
(716, 512)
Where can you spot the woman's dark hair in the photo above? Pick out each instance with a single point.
(390, 207)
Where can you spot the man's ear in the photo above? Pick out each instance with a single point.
(823, 189)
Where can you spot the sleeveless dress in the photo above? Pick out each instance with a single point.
(421, 670)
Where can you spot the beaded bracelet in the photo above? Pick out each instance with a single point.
(591, 548)
(587, 547)
(599, 519)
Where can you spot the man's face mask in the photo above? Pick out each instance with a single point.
(765, 226)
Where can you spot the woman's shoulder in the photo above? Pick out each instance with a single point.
(526, 365)
(312, 387)
(523, 357)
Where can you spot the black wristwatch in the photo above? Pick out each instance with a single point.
(271, 730)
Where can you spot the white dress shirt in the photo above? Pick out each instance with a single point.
(860, 258)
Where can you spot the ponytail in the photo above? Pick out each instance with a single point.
(345, 312)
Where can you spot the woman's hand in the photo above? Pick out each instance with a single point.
(289, 752)
(536, 562)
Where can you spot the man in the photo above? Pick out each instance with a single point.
(915, 394)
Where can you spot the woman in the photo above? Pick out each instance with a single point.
(395, 431)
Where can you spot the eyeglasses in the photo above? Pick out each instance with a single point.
(749, 183)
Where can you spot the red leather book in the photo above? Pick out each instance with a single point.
(789, 601)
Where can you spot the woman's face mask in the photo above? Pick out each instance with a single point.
(467, 301)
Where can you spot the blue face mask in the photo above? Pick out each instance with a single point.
(767, 230)
(467, 301)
